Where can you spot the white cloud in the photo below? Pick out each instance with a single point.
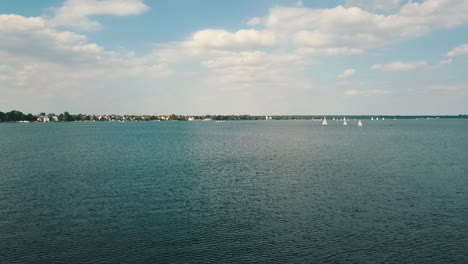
(222, 39)
(18, 33)
(347, 73)
(37, 58)
(386, 5)
(356, 28)
(343, 51)
(273, 58)
(451, 88)
(305, 34)
(75, 13)
(372, 92)
(255, 70)
(16, 23)
(458, 51)
(312, 39)
(254, 21)
(399, 66)
(6, 73)
(446, 61)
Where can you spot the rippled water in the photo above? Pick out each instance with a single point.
(234, 192)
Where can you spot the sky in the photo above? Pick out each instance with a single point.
(377, 57)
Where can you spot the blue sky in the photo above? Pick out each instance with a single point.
(233, 57)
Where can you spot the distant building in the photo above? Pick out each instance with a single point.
(43, 119)
(103, 117)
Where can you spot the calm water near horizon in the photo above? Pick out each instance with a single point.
(234, 192)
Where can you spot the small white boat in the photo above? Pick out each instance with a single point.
(344, 122)
(383, 118)
(324, 122)
(372, 118)
(359, 124)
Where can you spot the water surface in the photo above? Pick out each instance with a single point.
(234, 192)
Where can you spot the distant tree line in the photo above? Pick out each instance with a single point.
(15, 116)
(18, 116)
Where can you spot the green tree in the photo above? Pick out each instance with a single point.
(14, 116)
(67, 117)
(30, 117)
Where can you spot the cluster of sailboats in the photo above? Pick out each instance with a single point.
(345, 123)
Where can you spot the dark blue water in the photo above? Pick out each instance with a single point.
(234, 192)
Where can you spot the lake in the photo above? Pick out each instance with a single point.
(234, 192)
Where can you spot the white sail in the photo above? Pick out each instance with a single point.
(324, 122)
(372, 118)
(376, 118)
(359, 124)
(344, 122)
(383, 118)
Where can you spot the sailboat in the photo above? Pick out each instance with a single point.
(324, 122)
(344, 122)
(383, 118)
(359, 124)
(372, 118)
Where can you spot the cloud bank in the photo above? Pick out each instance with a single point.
(271, 57)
